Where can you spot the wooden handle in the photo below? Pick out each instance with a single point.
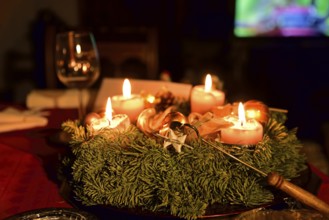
(307, 198)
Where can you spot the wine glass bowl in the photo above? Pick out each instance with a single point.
(77, 61)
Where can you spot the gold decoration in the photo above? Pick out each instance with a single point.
(174, 116)
(150, 122)
(257, 110)
(208, 125)
(225, 110)
(253, 109)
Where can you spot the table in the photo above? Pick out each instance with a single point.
(28, 167)
(28, 164)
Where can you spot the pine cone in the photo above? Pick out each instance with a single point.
(166, 98)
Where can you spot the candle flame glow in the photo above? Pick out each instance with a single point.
(241, 114)
(84, 67)
(150, 99)
(78, 48)
(126, 89)
(108, 111)
(253, 113)
(208, 83)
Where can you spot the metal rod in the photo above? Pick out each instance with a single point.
(233, 157)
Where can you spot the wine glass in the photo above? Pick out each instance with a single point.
(77, 62)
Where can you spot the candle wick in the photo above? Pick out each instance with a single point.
(241, 123)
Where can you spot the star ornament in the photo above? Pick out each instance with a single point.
(176, 140)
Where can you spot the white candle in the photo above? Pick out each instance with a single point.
(97, 122)
(242, 132)
(129, 104)
(204, 98)
(119, 121)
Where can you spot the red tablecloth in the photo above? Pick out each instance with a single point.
(28, 164)
(323, 189)
(24, 183)
(28, 169)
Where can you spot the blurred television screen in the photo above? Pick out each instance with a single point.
(282, 18)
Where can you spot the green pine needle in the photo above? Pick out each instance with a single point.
(132, 170)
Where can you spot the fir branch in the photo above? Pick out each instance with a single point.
(129, 169)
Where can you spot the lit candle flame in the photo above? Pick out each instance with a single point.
(208, 83)
(241, 114)
(108, 111)
(78, 48)
(126, 89)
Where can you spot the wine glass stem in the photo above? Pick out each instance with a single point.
(81, 108)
